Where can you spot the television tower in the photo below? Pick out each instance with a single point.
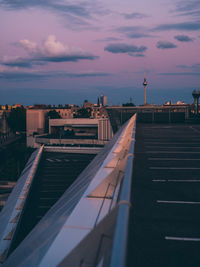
(145, 86)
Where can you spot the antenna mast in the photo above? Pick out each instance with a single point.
(145, 86)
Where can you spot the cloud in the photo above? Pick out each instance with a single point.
(28, 45)
(138, 35)
(134, 15)
(188, 8)
(21, 76)
(137, 55)
(192, 67)
(165, 45)
(51, 48)
(78, 13)
(77, 9)
(16, 62)
(85, 74)
(120, 48)
(180, 73)
(183, 38)
(185, 5)
(108, 39)
(130, 29)
(36, 75)
(50, 51)
(185, 26)
(134, 32)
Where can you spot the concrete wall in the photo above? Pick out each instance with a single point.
(105, 131)
(57, 141)
(35, 121)
(62, 122)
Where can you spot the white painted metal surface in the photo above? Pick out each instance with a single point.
(79, 150)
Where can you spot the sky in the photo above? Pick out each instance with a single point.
(66, 51)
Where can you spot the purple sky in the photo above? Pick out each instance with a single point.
(67, 51)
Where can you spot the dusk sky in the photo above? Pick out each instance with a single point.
(55, 52)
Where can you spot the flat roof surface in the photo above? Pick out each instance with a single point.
(165, 218)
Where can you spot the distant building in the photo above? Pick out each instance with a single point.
(87, 104)
(168, 103)
(74, 132)
(97, 128)
(39, 106)
(35, 123)
(6, 107)
(97, 111)
(66, 113)
(16, 106)
(103, 100)
(79, 127)
(5, 131)
(38, 122)
(180, 102)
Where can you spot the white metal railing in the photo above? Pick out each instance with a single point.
(119, 248)
(8, 234)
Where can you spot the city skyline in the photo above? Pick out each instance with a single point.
(66, 52)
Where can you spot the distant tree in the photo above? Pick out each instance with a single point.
(17, 119)
(128, 105)
(53, 114)
(83, 113)
(69, 133)
(18, 152)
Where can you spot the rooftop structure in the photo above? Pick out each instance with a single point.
(155, 180)
(73, 131)
(103, 100)
(65, 233)
(38, 122)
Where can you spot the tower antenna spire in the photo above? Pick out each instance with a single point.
(145, 87)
